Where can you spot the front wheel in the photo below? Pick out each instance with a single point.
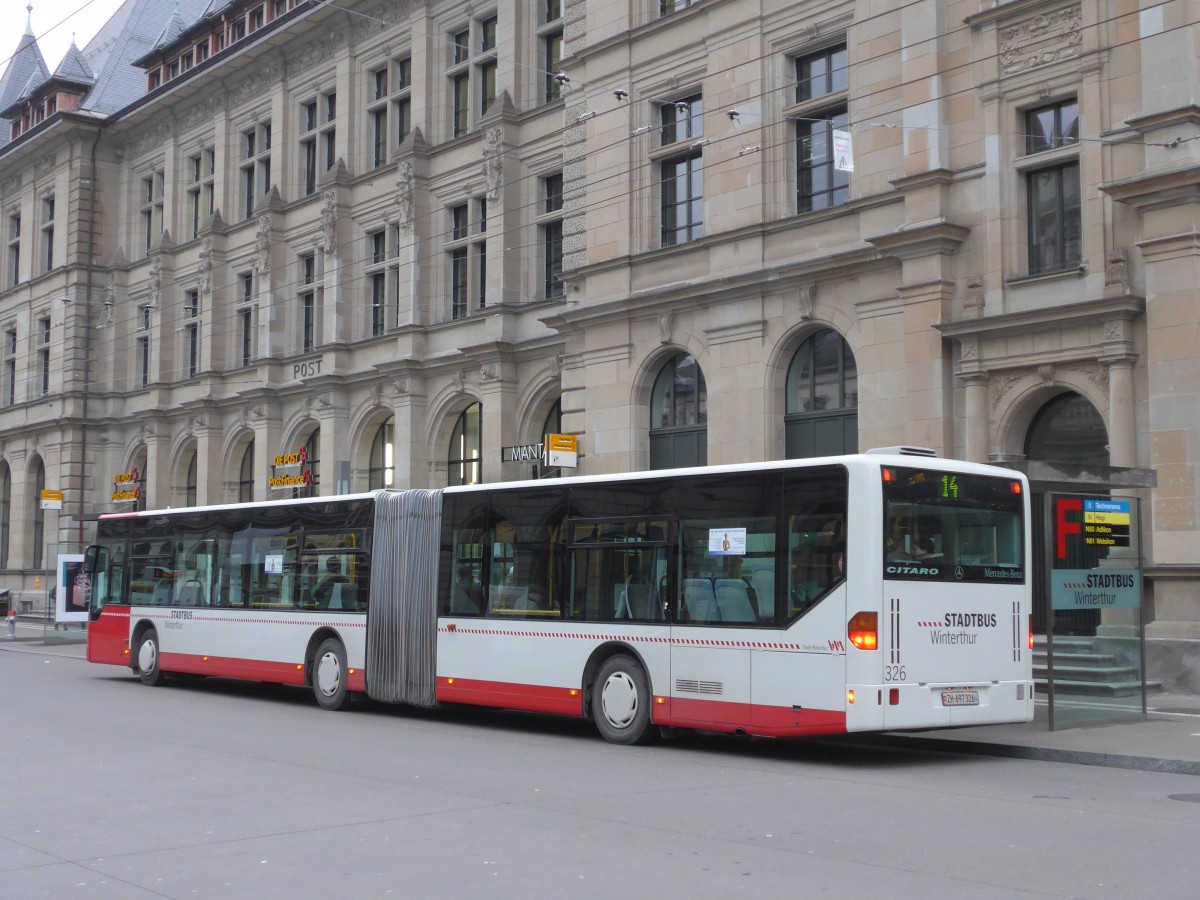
(148, 666)
(621, 701)
(329, 675)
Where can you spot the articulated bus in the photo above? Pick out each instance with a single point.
(886, 590)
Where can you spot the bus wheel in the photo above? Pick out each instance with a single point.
(621, 701)
(329, 675)
(147, 659)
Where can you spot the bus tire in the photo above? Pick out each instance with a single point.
(621, 701)
(148, 666)
(329, 675)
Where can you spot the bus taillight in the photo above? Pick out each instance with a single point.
(863, 631)
(1031, 631)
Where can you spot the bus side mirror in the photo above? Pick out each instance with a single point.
(95, 559)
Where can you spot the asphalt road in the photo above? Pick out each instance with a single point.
(218, 789)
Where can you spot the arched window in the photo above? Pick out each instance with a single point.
(551, 425)
(5, 513)
(189, 482)
(821, 417)
(679, 415)
(1068, 429)
(312, 465)
(39, 515)
(246, 474)
(464, 462)
(381, 468)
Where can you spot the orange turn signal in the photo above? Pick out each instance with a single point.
(863, 630)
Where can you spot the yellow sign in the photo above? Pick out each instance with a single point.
(562, 450)
(563, 443)
(51, 499)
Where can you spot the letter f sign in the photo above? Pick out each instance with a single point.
(1061, 526)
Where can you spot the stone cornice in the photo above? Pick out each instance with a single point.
(1090, 312)
(1157, 189)
(915, 241)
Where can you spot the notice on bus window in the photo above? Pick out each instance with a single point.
(273, 563)
(727, 542)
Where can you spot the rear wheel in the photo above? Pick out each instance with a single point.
(148, 666)
(329, 675)
(621, 700)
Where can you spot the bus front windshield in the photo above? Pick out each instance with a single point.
(951, 526)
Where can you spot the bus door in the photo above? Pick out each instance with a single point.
(108, 605)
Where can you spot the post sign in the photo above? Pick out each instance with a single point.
(1095, 562)
(562, 450)
(51, 499)
(127, 487)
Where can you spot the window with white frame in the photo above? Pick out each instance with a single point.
(10, 366)
(473, 61)
(377, 280)
(666, 7)
(153, 188)
(1052, 187)
(14, 249)
(309, 297)
(255, 166)
(822, 91)
(44, 355)
(48, 232)
(318, 139)
(201, 171)
(550, 41)
(389, 108)
(191, 333)
(142, 346)
(681, 170)
(466, 257)
(245, 318)
(551, 227)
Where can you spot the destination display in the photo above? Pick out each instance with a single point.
(1106, 523)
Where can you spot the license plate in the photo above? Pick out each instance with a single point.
(960, 698)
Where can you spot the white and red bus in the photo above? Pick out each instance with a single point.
(886, 590)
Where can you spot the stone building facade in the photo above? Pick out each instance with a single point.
(403, 236)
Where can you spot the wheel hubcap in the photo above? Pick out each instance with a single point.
(619, 699)
(147, 656)
(329, 674)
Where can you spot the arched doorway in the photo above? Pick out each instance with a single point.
(1068, 429)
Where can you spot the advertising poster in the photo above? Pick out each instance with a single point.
(73, 589)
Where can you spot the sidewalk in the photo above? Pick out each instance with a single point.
(1167, 739)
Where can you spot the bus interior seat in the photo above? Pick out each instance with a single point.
(733, 600)
(763, 579)
(162, 593)
(191, 592)
(343, 597)
(639, 601)
(700, 599)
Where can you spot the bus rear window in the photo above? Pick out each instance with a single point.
(951, 526)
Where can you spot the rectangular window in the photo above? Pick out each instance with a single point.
(481, 274)
(246, 321)
(462, 46)
(153, 187)
(1052, 126)
(143, 354)
(681, 193)
(10, 367)
(48, 231)
(822, 81)
(14, 249)
(682, 120)
(378, 303)
(201, 176)
(552, 42)
(666, 7)
(819, 183)
(474, 58)
(458, 283)
(461, 115)
(193, 350)
(458, 222)
(1054, 218)
(308, 303)
(44, 355)
(551, 228)
(191, 304)
(256, 167)
(390, 90)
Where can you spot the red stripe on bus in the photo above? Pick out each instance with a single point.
(766, 721)
(249, 669)
(506, 695)
(108, 637)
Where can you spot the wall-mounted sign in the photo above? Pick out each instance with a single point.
(562, 450)
(290, 482)
(51, 499)
(521, 453)
(291, 460)
(128, 487)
